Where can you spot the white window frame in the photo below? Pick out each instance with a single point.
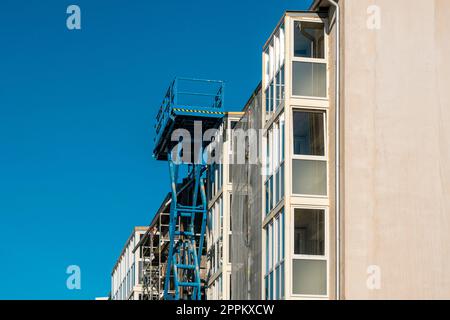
(273, 60)
(308, 60)
(294, 256)
(273, 140)
(273, 252)
(324, 158)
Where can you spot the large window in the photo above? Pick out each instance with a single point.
(230, 136)
(309, 133)
(309, 79)
(215, 236)
(274, 181)
(309, 39)
(274, 77)
(215, 179)
(309, 163)
(230, 228)
(309, 68)
(309, 177)
(309, 265)
(274, 271)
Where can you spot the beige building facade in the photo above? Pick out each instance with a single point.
(395, 148)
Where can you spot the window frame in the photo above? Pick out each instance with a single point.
(324, 158)
(275, 257)
(274, 64)
(308, 60)
(275, 164)
(325, 257)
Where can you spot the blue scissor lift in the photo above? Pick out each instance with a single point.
(188, 103)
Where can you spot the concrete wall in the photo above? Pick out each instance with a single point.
(397, 149)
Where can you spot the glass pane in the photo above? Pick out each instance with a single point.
(267, 250)
(282, 280)
(271, 286)
(231, 210)
(282, 234)
(309, 232)
(309, 133)
(230, 246)
(277, 284)
(309, 177)
(309, 277)
(309, 40)
(309, 79)
(272, 95)
(277, 187)
(266, 280)
(271, 193)
(278, 223)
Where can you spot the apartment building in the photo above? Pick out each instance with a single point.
(356, 168)
(297, 184)
(126, 276)
(219, 231)
(292, 182)
(349, 196)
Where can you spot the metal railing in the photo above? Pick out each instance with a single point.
(189, 93)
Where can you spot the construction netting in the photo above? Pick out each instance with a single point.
(246, 206)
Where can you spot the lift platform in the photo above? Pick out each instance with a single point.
(188, 103)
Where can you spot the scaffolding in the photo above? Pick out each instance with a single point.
(193, 106)
(153, 247)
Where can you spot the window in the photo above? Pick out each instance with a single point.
(230, 132)
(274, 180)
(309, 67)
(274, 269)
(230, 296)
(309, 133)
(231, 215)
(309, 177)
(309, 39)
(309, 234)
(230, 247)
(310, 256)
(274, 81)
(230, 229)
(215, 236)
(309, 163)
(221, 215)
(309, 79)
(219, 280)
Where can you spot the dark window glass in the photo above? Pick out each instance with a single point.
(309, 40)
(309, 232)
(309, 138)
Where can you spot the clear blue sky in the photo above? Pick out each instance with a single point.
(76, 123)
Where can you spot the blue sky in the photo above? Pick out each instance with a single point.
(77, 111)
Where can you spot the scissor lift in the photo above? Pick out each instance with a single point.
(188, 102)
